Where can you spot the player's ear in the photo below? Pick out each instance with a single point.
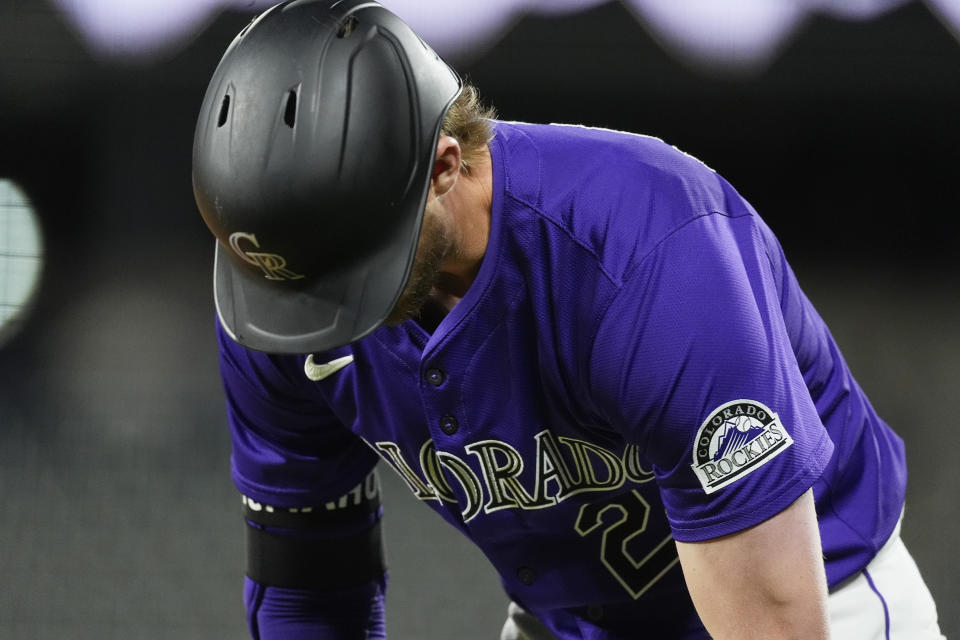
(446, 167)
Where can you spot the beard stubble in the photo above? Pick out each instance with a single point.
(432, 248)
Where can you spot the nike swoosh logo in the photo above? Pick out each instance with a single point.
(317, 372)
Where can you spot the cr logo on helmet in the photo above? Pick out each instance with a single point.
(272, 265)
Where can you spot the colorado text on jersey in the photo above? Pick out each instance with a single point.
(565, 467)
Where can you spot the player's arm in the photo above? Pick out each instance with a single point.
(764, 582)
(314, 564)
(316, 573)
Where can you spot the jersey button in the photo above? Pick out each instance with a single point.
(526, 575)
(436, 376)
(449, 425)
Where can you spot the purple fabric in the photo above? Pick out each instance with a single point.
(274, 613)
(288, 450)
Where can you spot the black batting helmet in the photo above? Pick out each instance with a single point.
(312, 160)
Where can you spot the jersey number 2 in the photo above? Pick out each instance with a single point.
(632, 511)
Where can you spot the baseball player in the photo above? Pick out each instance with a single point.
(582, 348)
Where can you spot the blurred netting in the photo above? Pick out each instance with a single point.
(21, 256)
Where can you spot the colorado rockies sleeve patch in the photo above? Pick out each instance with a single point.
(736, 439)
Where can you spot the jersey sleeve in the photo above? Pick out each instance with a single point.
(692, 362)
(275, 613)
(288, 448)
(314, 557)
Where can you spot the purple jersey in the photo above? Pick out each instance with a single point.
(634, 362)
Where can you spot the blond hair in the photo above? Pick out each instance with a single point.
(468, 120)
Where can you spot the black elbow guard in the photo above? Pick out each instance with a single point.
(308, 549)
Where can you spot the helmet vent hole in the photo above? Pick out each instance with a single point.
(224, 110)
(290, 113)
(347, 27)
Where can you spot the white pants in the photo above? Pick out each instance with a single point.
(886, 601)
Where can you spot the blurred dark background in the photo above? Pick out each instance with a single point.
(119, 518)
